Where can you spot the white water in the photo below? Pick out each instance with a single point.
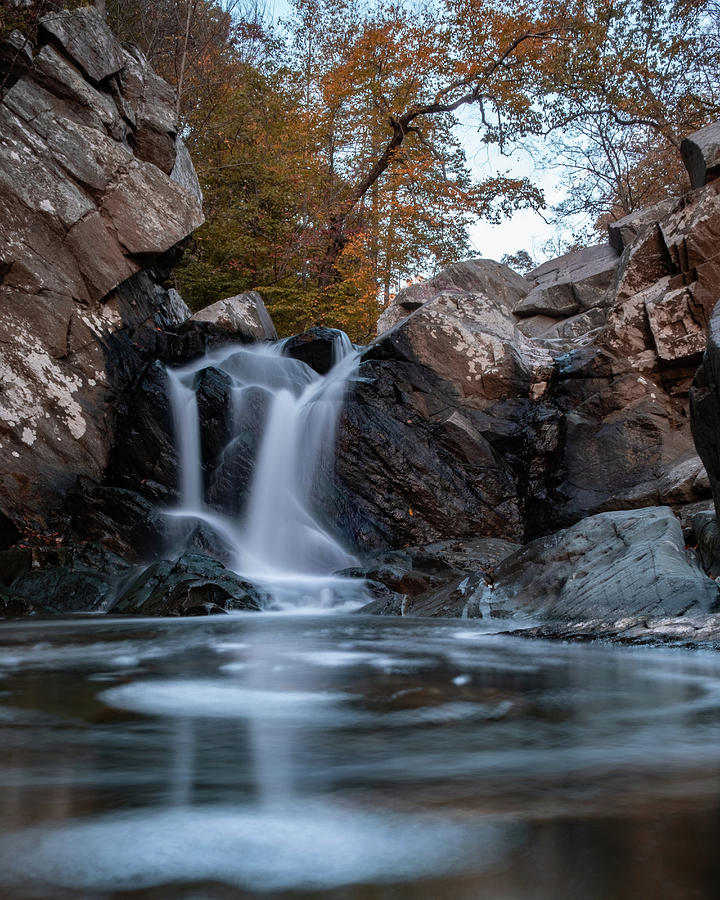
(277, 540)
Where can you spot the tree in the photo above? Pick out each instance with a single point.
(646, 78)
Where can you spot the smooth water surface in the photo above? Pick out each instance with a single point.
(354, 758)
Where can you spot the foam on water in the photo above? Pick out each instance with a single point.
(307, 845)
(278, 540)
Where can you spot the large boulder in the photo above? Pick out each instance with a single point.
(701, 154)
(476, 275)
(95, 190)
(605, 567)
(193, 585)
(244, 315)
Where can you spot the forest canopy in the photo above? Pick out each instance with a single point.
(328, 148)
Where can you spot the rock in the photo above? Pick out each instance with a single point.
(244, 315)
(605, 567)
(474, 275)
(443, 579)
(191, 586)
(184, 174)
(707, 534)
(690, 632)
(467, 418)
(705, 407)
(121, 520)
(579, 280)
(318, 347)
(623, 232)
(145, 454)
(701, 155)
(88, 212)
(85, 39)
(49, 580)
(15, 58)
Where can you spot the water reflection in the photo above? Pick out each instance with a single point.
(353, 758)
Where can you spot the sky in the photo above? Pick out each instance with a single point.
(525, 230)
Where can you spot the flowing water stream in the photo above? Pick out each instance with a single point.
(276, 539)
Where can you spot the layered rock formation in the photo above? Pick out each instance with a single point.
(96, 189)
(509, 406)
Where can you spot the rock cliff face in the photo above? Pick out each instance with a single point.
(492, 411)
(96, 190)
(509, 407)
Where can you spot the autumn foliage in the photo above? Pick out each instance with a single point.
(327, 142)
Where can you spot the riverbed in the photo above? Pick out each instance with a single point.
(337, 756)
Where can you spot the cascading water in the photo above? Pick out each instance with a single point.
(276, 538)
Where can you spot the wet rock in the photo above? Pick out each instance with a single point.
(191, 586)
(689, 632)
(606, 567)
(145, 455)
(244, 315)
(49, 580)
(317, 347)
(443, 579)
(121, 520)
(701, 154)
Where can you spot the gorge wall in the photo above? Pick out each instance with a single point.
(96, 191)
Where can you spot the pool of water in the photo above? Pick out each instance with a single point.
(346, 757)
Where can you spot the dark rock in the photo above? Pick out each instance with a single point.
(316, 347)
(705, 407)
(121, 520)
(145, 456)
(15, 58)
(701, 155)
(8, 532)
(50, 580)
(446, 578)
(213, 390)
(191, 586)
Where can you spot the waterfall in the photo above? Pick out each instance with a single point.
(275, 537)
